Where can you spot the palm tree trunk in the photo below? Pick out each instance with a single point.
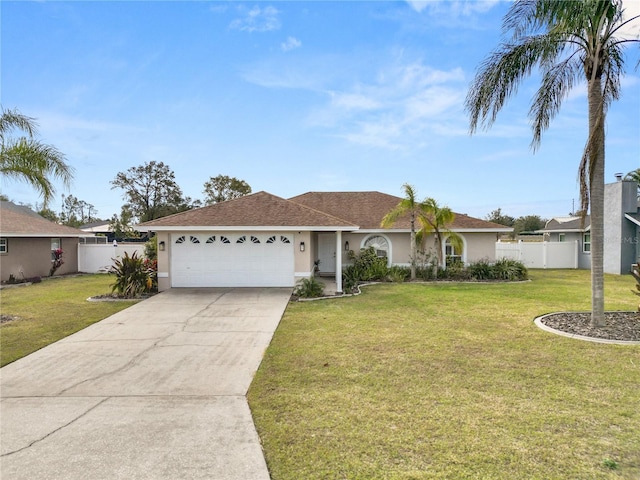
(596, 194)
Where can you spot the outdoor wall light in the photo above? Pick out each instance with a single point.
(302, 246)
(161, 246)
(346, 246)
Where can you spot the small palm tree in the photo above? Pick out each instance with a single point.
(435, 220)
(411, 207)
(635, 176)
(26, 159)
(568, 41)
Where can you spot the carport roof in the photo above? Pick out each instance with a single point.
(258, 210)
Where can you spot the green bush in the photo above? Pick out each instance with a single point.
(368, 265)
(134, 277)
(481, 270)
(350, 278)
(398, 274)
(508, 269)
(454, 271)
(309, 288)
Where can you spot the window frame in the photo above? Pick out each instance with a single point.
(586, 244)
(4, 245)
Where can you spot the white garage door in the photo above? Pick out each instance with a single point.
(232, 259)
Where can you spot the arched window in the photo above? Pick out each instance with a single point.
(453, 255)
(380, 243)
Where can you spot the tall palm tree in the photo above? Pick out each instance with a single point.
(435, 220)
(568, 41)
(25, 158)
(411, 207)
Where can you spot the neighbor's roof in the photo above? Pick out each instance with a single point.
(20, 221)
(258, 210)
(561, 224)
(367, 209)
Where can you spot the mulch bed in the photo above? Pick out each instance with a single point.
(620, 325)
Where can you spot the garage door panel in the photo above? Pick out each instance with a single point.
(205, 260)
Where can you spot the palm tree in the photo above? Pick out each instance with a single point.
(407, 206)
(635, 176)
(568, 41)
(26, 159)
(435, 219)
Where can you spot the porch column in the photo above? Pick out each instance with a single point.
(338, 261)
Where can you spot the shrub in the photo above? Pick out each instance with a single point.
(481, 270)
(309, 288)
(350, 278)
(398, 274)
(368, 265)
(454, 271)
(511, 270)
(134, 276)
(151, 248)
(57, 261)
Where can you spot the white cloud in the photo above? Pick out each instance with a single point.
(257, 19)
(291, 44)
(631, 9)
(455, 7)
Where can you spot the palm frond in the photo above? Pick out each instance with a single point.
(499, 76)
(36, 163)
(557, 81)
(12, 119)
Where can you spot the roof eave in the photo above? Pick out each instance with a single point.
(229, 228)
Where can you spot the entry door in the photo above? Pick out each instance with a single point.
(327, 253)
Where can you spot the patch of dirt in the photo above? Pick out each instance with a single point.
(7, 318)
(619, 325)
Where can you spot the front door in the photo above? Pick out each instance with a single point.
(327, 253)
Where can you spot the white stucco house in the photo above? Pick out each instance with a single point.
(265, 240)
(621, 229)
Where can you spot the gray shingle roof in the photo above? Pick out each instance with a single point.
(20, 221)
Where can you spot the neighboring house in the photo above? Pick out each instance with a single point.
(101, 228)
(27, 242)
(621, 229)
(265, 240)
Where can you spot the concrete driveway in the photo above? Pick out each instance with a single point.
(157, 391)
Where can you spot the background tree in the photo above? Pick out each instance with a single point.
(410, 207)
(496, 216)
(222, 188)
(568, 42)
(528, 223)
(76, 212)
(436, 219)
(27, 159)
(151, 191)
(121, 226)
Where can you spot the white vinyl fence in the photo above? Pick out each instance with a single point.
(540, 254)
(98, 258)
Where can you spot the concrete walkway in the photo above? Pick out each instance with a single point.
(156, 391)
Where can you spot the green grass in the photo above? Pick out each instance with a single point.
(51, 310)
(449, 381)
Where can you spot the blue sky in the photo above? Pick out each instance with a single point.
(293, 97)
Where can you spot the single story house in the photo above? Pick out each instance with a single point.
(27, 243)
(621, 229)
(265, 240)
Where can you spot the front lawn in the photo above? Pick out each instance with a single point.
(51, 310)
(433, 381)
